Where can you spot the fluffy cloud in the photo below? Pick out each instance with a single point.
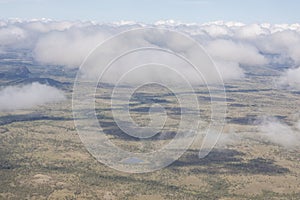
(298, 125)
(229, 55)
(285, 43)
(280, 133)
(291, 78)
(238, 52)
(231, 44)
(47, 26)
(11, 35)
(217, 31)
(67, 48)
(229, 70)
(28, 96)
(24, 34)
(252, 31)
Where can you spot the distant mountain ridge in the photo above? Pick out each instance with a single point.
(22, 76)
(45, 81)
(19, 72)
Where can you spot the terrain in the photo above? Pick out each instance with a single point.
(42, 156)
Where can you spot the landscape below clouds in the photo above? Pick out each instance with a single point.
(232, 46)
(254, 128)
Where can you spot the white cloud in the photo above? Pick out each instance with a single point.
(291, 78)
(238, 52)
(231, 44)
(298, 125)
(12, 35)
(280, 133)
(217, 30)
(251, 31)
(67, 48)
(156, 39)
(229, 70)
(47, 26)
(285, 43)
(28, 96)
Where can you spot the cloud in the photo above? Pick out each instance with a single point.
(217, 31)
(229, 55)
(286, 43)
(172, 67)
(298, 125)
(280, 133)
(12, 35)
(46, 26)
(15, 34)
(229, 70)
(231, 44)
(224, 139)
(237, 52)
(291, 78)
(67, 48)
(28, 96)
(252, 31)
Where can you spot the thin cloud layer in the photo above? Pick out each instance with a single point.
(28, 96)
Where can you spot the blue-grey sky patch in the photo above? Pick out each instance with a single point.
(200, 11)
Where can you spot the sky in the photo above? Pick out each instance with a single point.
(149, 11)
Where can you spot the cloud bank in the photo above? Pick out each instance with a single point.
(232, 45)
(28, 96)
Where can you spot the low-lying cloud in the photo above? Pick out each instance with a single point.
(237, 52)
(280, 133)
(28, 96)
(291, 78)
(67, 48)
(230, 44)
